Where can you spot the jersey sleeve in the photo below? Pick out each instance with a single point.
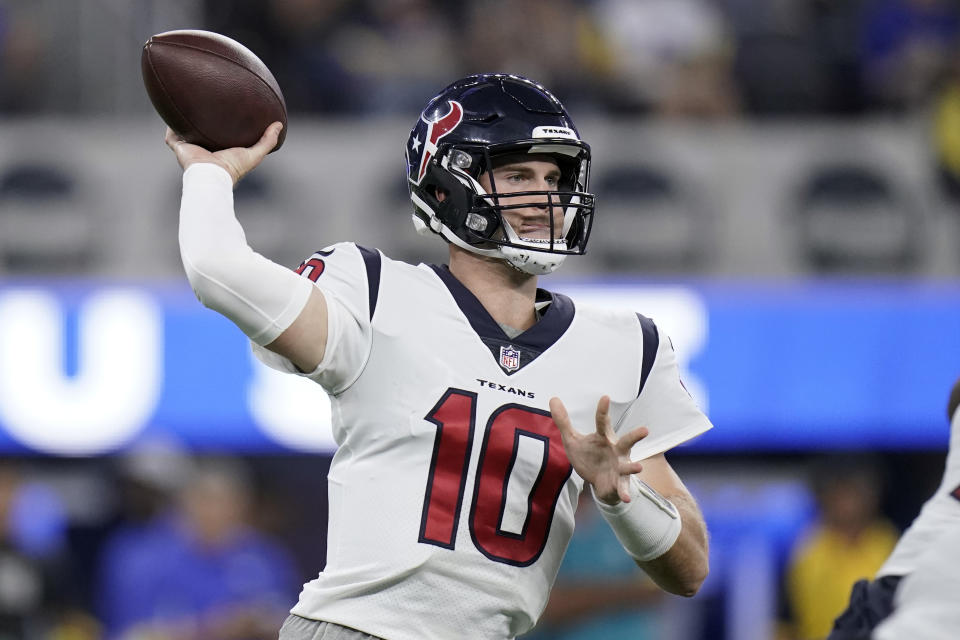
(349, 278)
(663, 404)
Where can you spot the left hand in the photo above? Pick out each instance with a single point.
(599, 457)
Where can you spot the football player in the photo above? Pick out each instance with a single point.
(926, 548)
(470, 407)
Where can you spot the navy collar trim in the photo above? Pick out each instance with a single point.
(554, 321)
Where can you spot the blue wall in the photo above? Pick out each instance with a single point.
(779, 366)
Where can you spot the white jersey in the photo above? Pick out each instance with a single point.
(927, 602)
(939, 514)
(451, 497)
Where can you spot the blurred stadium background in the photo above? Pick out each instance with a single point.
(777, 186)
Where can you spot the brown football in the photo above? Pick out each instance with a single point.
(210, 89)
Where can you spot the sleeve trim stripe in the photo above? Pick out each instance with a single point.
(371, 260)
(651, 343)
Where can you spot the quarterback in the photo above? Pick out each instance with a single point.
(470, 407)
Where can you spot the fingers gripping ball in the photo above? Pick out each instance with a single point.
(211, 90)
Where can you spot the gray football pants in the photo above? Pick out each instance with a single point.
(297, 628)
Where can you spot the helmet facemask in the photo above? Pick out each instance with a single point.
(475, 215)
(452, 151)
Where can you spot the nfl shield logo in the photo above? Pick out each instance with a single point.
(510, 358)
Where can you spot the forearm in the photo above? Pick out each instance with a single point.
(259, 296)
(684, 567)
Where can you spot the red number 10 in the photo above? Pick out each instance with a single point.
(455, 418)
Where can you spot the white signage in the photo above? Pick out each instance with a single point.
(118, 380)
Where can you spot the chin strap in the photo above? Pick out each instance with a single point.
(530, 261)
(535, 263)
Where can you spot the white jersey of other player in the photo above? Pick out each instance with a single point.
(927, 602)
(941, 513)
(451, 497)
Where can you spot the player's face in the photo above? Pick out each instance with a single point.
(515, 174)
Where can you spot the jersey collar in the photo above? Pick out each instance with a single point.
(556, 315)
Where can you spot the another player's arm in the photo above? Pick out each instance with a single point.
(650, 510)
(271, 304)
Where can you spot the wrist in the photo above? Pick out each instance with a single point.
(210, 170)
(613, 508)
(647, 526)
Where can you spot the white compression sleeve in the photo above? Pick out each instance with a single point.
(647, 526)
(259, 296)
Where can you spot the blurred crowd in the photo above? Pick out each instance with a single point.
(708, 59)
(157, 544)
(154, 545)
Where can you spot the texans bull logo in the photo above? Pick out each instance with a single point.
(436, 129)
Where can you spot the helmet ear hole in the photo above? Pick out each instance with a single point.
(447, 197)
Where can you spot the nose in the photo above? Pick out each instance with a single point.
(541, 201)
(538, 202)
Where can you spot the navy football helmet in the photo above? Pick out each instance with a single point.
(458, 137)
